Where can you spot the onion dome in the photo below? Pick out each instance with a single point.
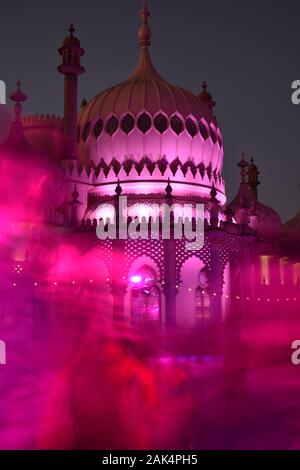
(266, 221)
(71, 40)
(146, 119)
(32, 178)
(291, 234)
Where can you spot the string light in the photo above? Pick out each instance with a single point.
(18, 269)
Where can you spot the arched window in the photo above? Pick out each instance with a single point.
(191, 127)
(176, 124)
(144, 123)
(86, 131)
(203, 130)
(127, 123)
(145, 296)
(161, 123)
(98, 127)
(112, 125)
(202, 297)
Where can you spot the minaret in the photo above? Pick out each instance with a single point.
(71, 53)
(253, 182)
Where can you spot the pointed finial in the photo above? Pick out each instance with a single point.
(72, 29)
(169, 188)
(253, 181)
(243, 164)
(118, 189)
(206, 97)
(213, 193)
(144, 32)
(18, 97)
(71, 40)
(75, 193)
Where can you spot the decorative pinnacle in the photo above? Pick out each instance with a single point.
(18, 97)
(144, 32)
(75, 194)
(72, 29)
(243, 164)
(213, 193)
(169, 189)
(118, 189)
(253, 180)
(206, 97)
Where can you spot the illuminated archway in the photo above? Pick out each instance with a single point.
(145, 298)
(202, 297)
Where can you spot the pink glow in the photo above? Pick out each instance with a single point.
(136, 279)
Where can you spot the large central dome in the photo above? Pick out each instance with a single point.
(146, 121)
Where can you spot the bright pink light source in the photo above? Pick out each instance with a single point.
(136, 279)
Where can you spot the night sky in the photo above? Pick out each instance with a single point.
(247, 51)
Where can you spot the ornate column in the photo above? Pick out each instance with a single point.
(170, 290)
(118, 281)
(215, 274)
(75, 203)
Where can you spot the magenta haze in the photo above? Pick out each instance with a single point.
(138, 228)
(2, 353)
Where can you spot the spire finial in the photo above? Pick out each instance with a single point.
(72, 28)
(118, 189)
(144, 32)
(75, 193)
(18, 97)
(169, 189)
(253, 175)
(243, 164)
(206, 97)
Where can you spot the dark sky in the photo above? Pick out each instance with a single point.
(248, 51)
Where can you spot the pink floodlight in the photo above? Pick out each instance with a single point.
(136, 279)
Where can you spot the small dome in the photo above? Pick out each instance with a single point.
(291, 233)
(38, 177)
(71, 40)
(265, 221)
(268, 225)
(31, 177)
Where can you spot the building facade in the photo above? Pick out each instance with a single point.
(161, 147)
